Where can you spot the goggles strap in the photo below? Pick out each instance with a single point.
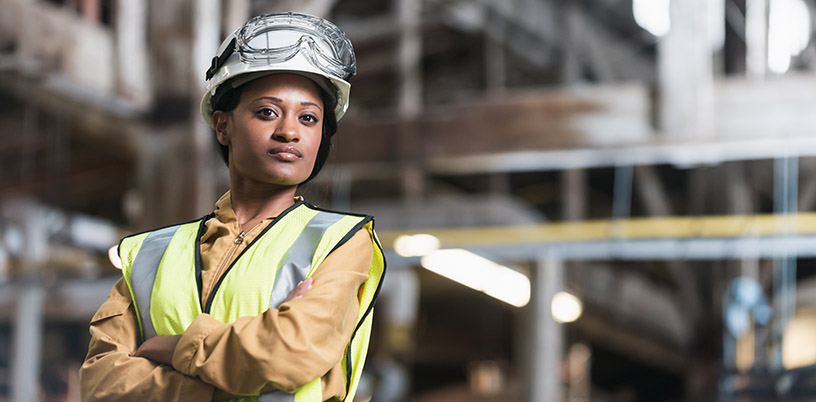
(219, 61)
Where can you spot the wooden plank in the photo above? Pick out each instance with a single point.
(682, 154)
(556, 119)
(592, 127)
(744, 110)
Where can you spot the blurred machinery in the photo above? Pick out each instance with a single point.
(601, 200)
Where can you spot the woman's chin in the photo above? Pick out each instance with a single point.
(282, 176)
(268, 180)
(284, 181)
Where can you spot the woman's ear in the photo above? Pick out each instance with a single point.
(220, 121)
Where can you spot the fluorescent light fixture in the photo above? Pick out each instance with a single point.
(652, 15)
(113, 256)
(788, 32)
(798, 348)
(566, 307)
(416, 245)
(481, 274)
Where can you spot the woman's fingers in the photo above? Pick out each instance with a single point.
(302, 287)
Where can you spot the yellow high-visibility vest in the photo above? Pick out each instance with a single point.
(162, 269)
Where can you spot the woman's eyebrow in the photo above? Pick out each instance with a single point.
(279, 100)
(271, 98)
(307, 103)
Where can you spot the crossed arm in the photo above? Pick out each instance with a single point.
(160, 348)
(213, 360)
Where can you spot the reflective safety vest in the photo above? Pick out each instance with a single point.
(162, 269)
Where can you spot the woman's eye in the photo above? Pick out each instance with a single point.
(267, 112)
(309, 118)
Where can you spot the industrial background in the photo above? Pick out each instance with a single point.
(581, 200)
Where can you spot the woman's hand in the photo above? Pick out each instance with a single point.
(302, 287)
(159, 348)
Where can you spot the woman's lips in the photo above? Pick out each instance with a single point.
(287, 153)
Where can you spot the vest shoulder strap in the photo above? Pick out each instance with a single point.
(141, 255)
(296, 264)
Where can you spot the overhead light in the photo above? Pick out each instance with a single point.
(652, 15)
(416, 245)
(788, 32)
(798, 349)
(566, 307)
(481, 274)
(113, 256)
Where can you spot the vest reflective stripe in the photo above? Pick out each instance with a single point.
(175, 301)
(297, 262)
(279, 396)
(295, 244)
(143, 274)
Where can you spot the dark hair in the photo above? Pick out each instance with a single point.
(226, 99)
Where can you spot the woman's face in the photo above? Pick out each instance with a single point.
(274, 133)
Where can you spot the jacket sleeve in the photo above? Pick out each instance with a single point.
(285, 347)
(111, 372)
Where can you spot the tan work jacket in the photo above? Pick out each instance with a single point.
(303, 339)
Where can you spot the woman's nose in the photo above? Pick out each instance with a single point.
(287, 131)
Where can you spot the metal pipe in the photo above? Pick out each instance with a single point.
(622, 197)
(786, 184)
(547, 335)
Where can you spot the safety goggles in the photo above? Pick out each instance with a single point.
(278, 37)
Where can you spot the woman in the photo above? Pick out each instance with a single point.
(268, 295)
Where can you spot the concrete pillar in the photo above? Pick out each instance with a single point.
(236, 13)
(132, 69)
(574, 189)
(756, 38)
(206, 38)
(622, 192)
(341, 188)
(25, 363)
(91, 10)
(495, 68)
(409, 57)
(580, 366)
(409, 102)
(685, 72)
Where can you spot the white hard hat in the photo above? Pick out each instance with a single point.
(284, 43)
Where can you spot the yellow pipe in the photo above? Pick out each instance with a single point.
(732, 226)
